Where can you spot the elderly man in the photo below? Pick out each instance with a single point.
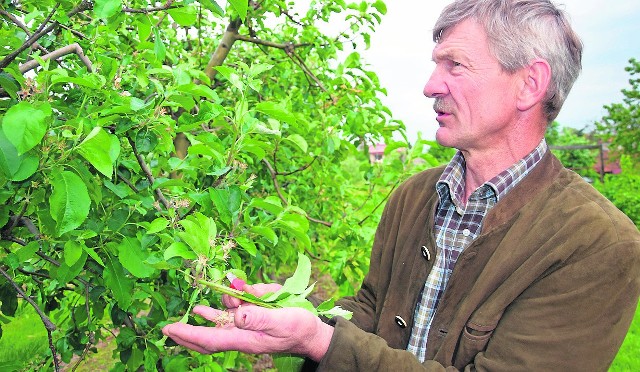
(503, 259)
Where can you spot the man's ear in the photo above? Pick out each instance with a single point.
(536, 78)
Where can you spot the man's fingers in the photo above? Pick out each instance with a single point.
(275, 322)
(176, 335)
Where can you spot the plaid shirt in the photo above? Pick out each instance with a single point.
(456, 226)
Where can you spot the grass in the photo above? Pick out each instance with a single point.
(628, 358)
(24, 340)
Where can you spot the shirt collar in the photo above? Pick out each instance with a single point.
(452, 180)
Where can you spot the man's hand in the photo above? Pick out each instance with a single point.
(256, 330)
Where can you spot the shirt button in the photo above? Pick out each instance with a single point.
(400, 322)
(425, 253)
(466, 232)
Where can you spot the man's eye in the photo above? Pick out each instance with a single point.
(456, 64)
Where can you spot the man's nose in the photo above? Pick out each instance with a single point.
(435, 86)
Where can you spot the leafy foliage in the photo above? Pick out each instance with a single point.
(144, 145)
(624, 189)
(581, 161)
(622, 124)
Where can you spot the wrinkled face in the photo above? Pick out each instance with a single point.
(475, 99)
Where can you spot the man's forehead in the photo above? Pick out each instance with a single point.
(460, 41)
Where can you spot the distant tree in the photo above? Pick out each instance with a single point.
(622, 123)
(580, 160)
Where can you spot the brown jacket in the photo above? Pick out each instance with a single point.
(551, 283)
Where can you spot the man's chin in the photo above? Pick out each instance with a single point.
(443, 138)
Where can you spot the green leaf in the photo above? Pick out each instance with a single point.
(276, 111)
(297, 283)
(92, 253)
(146, 140)
(179, 249)
(271, 204)
(299, 141)
(158, 46)
(241, 7)
(265, 232)
(157, 225)
(230, 74)
(185, 16)
(199, 232)
(72, 252)
(120, 285)
(66, 273)
(227, 202)
(16, 167)
(25, 125)
(101, 149)
(28, 251)
(132, 257)
(9, 299)
(69, 201)
(380, 6)
(106, 8)
(9, 84)
(247, 245)
(213, 6)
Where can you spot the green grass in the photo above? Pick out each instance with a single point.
(628, 358)
(24, 340)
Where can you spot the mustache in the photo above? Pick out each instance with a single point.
(440, 105)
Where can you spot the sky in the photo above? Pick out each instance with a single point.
(400, 54)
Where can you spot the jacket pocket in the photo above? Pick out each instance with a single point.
(474, 339)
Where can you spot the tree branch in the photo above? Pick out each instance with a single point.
(304, 167)
(73, 48)
(274, 178)
(222, 51)
(380, 203)
(145, 168)
(48, 325)
(285, 46)
(42, 30)
(23, 27)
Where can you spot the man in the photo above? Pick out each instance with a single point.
(503, 259)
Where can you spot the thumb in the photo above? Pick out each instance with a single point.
(255, 318)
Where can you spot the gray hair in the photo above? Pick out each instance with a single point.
(520, 31)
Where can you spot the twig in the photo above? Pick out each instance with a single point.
(284, 201)
(51, 13)
(73, 48)
(299, 169)
(285, 46)
(48, 325)
(127, 182)
(166, 6)
(24, 28)
(148, 174)
(84, 5)
(91, 333)
(380, 203)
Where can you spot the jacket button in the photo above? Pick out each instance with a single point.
(400, 322)
(425, 253)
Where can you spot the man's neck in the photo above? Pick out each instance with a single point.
(482, 167)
